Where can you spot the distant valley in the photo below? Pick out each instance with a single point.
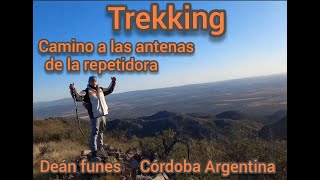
(257, 96)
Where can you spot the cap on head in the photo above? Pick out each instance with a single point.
(91, 78)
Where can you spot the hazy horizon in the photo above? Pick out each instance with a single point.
(284, 73)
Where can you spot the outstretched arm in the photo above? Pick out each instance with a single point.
(78, 96)
(110, 89)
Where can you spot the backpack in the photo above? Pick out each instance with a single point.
(86, 100)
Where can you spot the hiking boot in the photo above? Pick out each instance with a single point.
(101, 153)
(94, 154)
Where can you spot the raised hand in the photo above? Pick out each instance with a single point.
(71, 86)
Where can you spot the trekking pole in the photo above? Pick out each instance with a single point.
(76, 108)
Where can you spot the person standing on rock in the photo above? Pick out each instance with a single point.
(94, 101)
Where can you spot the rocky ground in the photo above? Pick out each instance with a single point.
(129, 161)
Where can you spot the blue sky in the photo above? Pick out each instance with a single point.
(255, 43)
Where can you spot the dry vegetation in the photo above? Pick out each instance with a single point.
(56, 140)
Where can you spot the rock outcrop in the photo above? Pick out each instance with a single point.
(129, 160)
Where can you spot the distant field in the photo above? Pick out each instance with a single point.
(258, 95)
